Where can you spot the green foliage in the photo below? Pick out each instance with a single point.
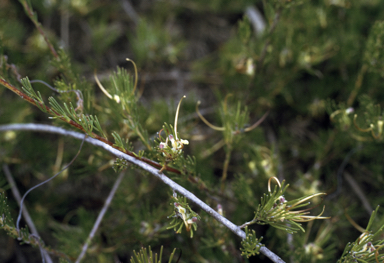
(284, 3)
(251, 244)
(31, 92)
(374, 54)
(120, 165)
(124, 94)
(119, 141)
(367, 247)
(151, 43)
(316, 68)
(70, 238)
(6, 220)
(63, 63)
(147, 257)
(245, 30)
(321, 248)
(88, 123)
(187, 165)
(103, 35)
(276, 211)
(22, 234)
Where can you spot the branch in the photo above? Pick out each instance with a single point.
(176, 187)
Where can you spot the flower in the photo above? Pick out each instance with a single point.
(284, 209)
(277, 211)
(173, 146)
(188, 219)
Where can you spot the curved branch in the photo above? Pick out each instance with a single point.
(152, 170)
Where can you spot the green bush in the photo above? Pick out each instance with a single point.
(274, 154)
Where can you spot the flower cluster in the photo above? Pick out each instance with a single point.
(183, 215)
(186, 217)
(171, 146)
(176, 148)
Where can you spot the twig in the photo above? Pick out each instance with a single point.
(100, 217)
(26, 215)
(176, 187)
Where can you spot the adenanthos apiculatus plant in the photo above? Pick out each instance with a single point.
(276, 211)
(185, 217)
(317, 151)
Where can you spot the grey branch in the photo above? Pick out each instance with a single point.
(176, 187)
